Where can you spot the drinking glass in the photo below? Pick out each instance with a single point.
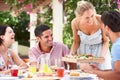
(32, 69)
(14, 70)
(43, 63)
(60, 68)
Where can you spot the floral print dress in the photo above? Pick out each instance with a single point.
(3, 65)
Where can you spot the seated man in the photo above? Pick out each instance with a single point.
(46, 46)
(111, 19)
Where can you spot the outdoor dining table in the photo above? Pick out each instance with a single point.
(66, 77)
(48, 78)
(55, 77)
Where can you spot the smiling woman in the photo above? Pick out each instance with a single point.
(89, 34)
(7, 56)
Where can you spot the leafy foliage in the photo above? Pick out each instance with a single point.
(21, 22)
(69, 7)
(20, 3)
(6, 18)
(45, 17)
(19, 25)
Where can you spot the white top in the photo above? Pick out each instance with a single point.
(92, 44)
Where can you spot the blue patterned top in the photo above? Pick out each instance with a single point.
(92, 44)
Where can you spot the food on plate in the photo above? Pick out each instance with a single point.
(85, 56)
(28, 75)
(81, 56)
(53, 67)
(21, 72)
(74, 73)
(70, 56)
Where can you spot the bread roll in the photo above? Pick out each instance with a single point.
(73, 73)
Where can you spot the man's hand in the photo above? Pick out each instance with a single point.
(89, 68)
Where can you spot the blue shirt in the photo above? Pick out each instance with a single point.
(115, 50)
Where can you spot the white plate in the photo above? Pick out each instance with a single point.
(68, 71)
(82, 76)
(8, 78)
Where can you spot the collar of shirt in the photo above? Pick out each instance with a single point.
(41, 52)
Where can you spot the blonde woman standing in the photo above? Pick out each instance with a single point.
(88, 34)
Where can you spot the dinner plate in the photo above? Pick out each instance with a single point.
(78, 70)
(82, 77)
(8, 78)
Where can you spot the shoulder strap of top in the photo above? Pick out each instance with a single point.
(97, 20)
(2, 63)
(10, 60)
(76, 23)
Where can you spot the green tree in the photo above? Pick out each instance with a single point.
(69, 8)
(19, 25)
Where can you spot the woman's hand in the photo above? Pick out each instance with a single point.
(5, 72)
